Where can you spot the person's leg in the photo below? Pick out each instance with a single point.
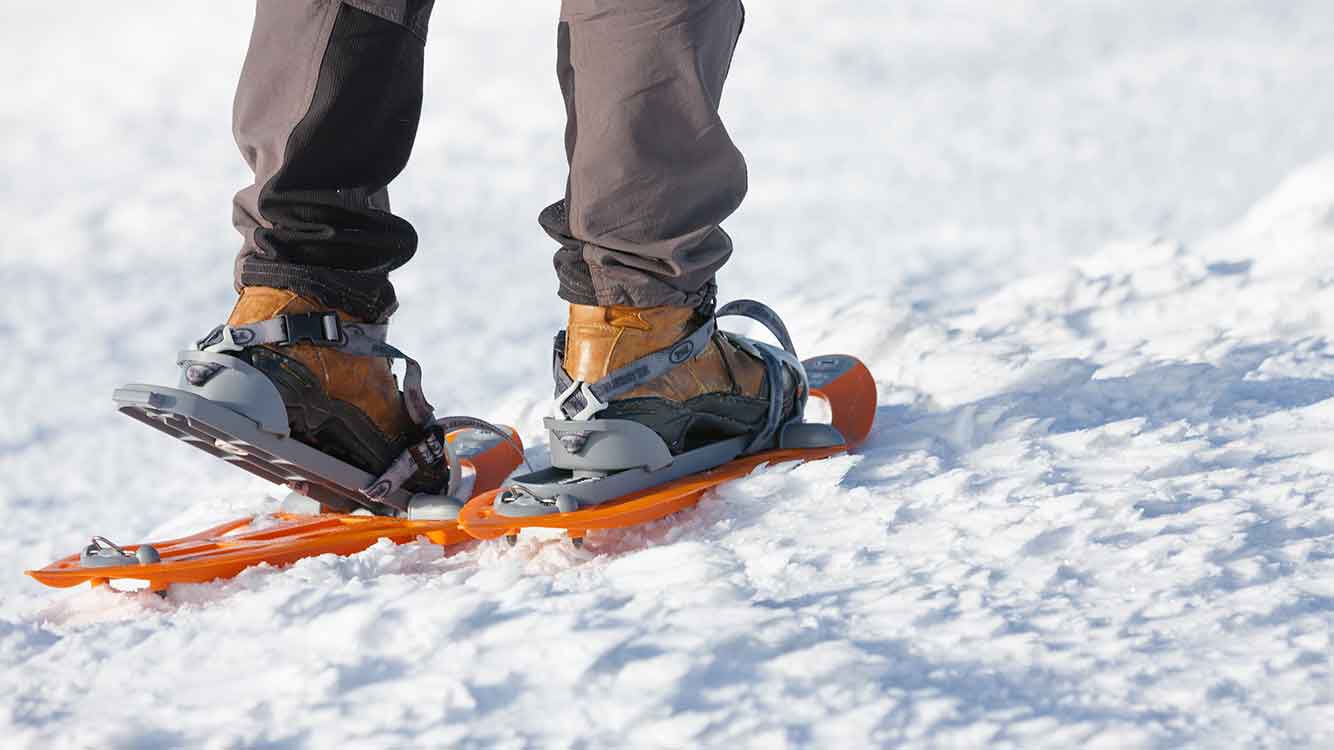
(653, 171)
(325, 114)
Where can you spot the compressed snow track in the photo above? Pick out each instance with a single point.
(1097, 509)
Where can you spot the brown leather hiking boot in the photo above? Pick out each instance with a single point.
(720, 393)
(346, 405)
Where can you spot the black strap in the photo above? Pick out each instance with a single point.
(429, 451)
(318, 328)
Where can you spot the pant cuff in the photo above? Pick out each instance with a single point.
(612, 287)
(369, 297)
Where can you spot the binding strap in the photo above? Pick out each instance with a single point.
(327, 330)
(762, 314)
(578, 400)
(778, 363)
(367, 340)
(433, 448)
(319, 328)
(582, 400)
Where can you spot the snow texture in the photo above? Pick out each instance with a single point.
(1086, 249)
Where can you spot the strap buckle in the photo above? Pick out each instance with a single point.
(321, 328)
(577, 402)
(214, 337)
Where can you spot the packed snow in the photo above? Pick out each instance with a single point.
(1087, 250)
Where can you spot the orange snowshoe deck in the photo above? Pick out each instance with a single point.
(851, 398)
(226, 549)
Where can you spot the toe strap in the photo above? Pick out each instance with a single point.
(579, 400)
(325, 329)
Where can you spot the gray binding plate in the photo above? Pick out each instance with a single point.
(541, 492)
(238, 440)
(221, 432)
(570, 485)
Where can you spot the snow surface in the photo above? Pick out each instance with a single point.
(1087, 249)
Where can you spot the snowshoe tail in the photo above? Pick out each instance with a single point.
(228, 409)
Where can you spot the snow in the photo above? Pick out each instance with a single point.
(1086, 249)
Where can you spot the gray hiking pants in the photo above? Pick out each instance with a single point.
(327, 109)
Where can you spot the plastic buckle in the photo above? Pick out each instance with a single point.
(584, 400)
(214, 337)
(430, 449)
(322, 328)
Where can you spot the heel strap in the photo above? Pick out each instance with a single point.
(762, 314)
